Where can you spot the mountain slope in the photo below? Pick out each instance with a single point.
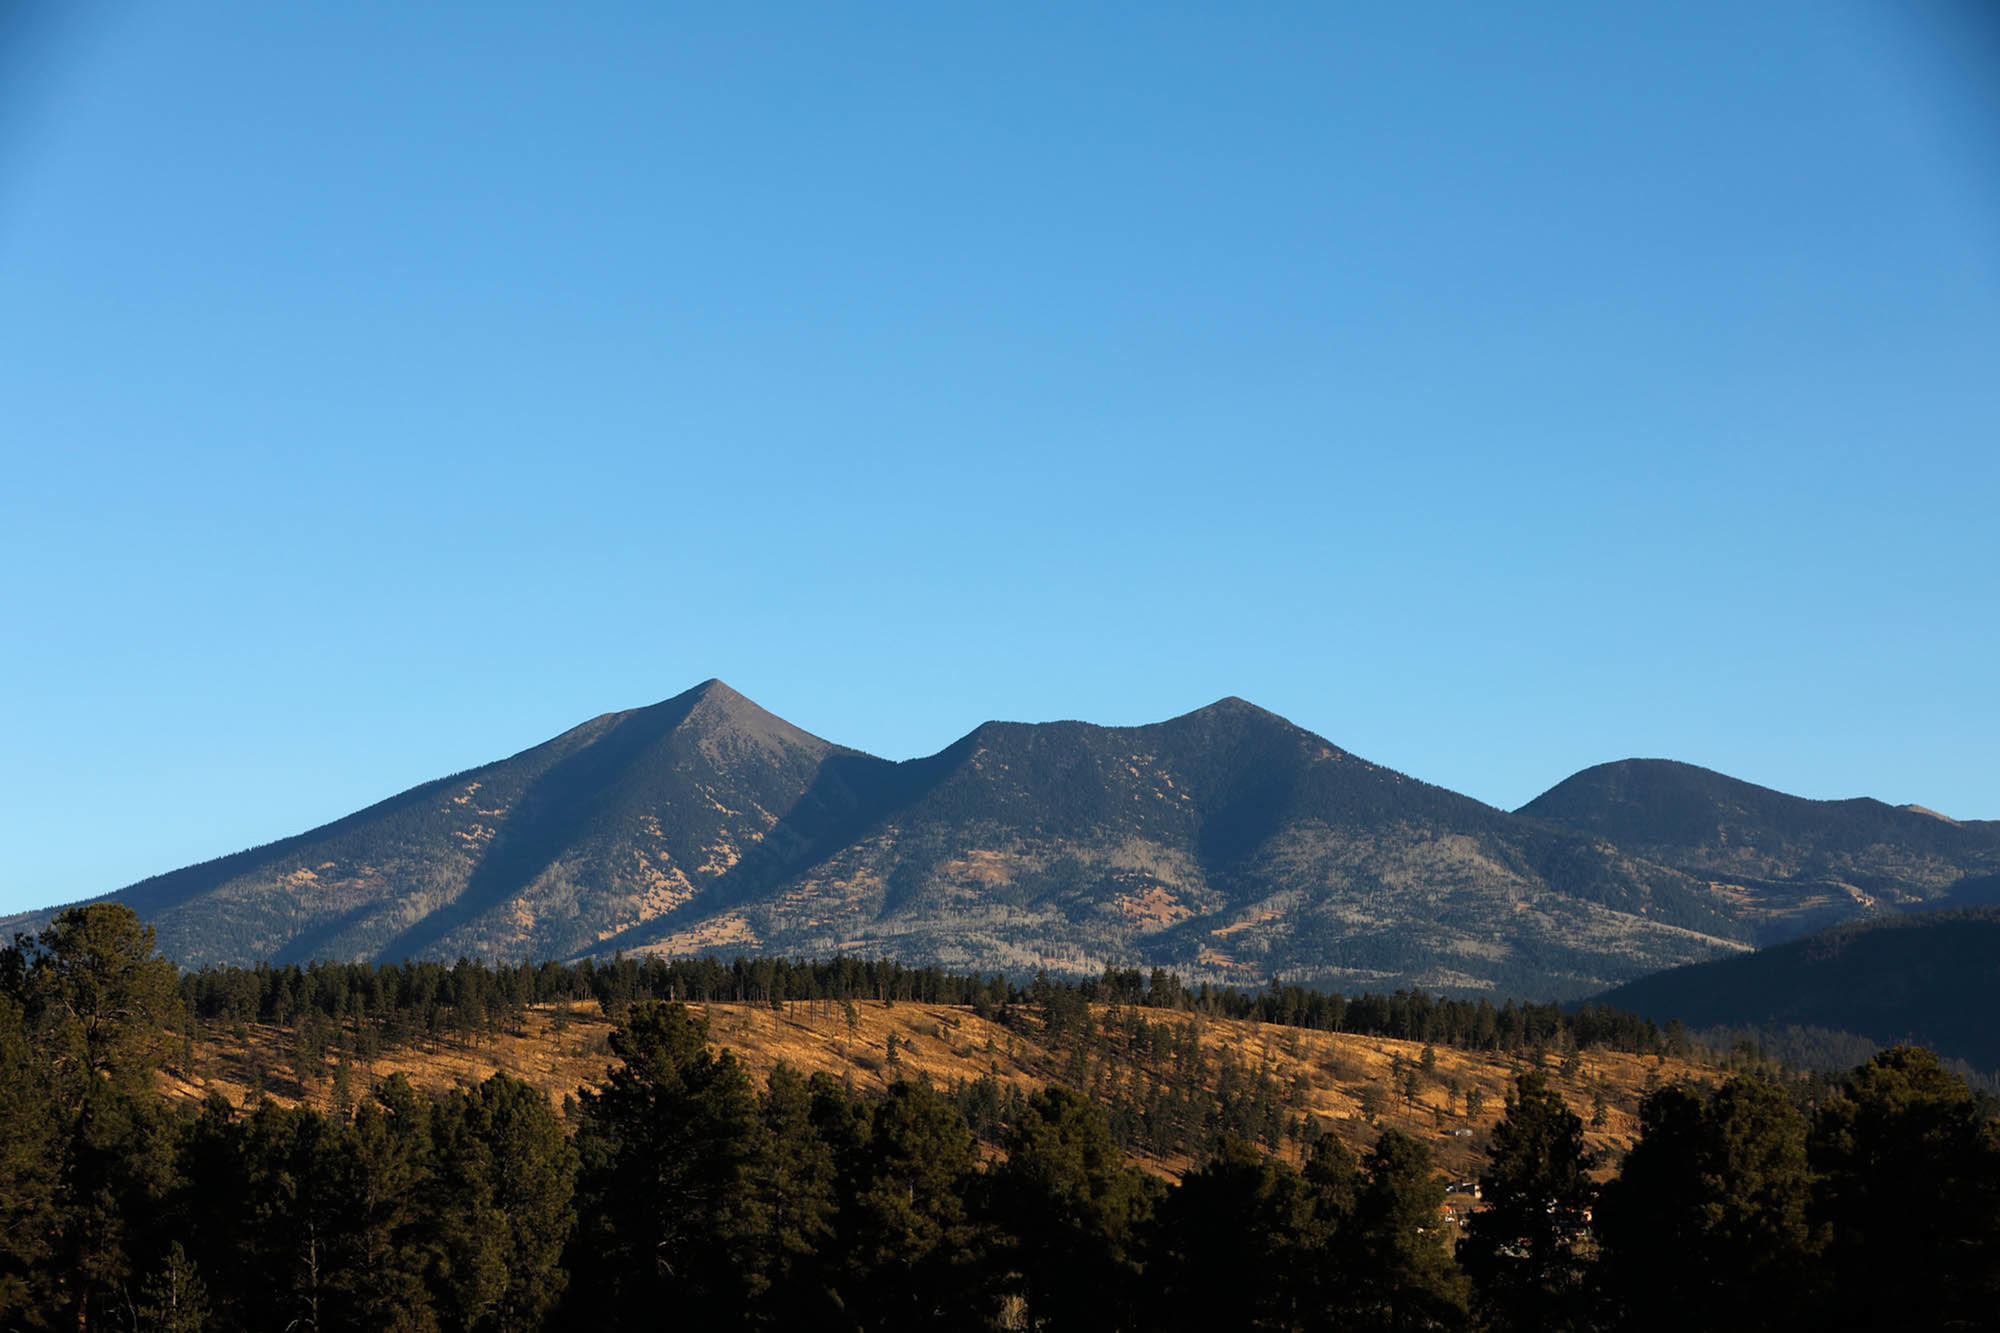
(1788, 865)
(1932, 979)
(619, 820)
(1226, 843)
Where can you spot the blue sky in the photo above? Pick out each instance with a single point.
(1495, 391)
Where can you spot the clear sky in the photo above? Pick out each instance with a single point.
(1494, 390)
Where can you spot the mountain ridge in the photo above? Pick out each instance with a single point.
(1793, 862)
(1930, 978)
(1226, 843)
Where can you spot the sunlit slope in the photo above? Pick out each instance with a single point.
(1322, 1074)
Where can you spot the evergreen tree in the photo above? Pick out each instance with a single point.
(1400, 1274)
(174, 1299)
(1072, 1212)
(1226, 1247)
(796, 1178)
(30, 1170)
(508, 1175)
(94, 1000)
(914, 1250)
(1910, 1187)
(1333, 1184)
(1526, 1252)
(391, 1205)
(666, 1146)
(1706, 1224)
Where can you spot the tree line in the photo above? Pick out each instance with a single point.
(411, 1001)
(679, 1190)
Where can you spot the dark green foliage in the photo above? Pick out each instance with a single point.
(1909, 1169)
(1873, 1204)
(667, 1145)
(1392, 1268)
(96, 996)
(797, 1184)
(30, 1168)
(87, 1004)
(1707, 1224)
(509, 1173)
(1228, 1244)
(1074, 1213)
(1528, 1250)
(913, 1250)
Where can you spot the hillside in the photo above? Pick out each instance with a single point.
(1323, 1074)
(1786, 865)
(1930, 979)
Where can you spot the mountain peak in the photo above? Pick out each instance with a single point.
(1233, 709)
(713, 690)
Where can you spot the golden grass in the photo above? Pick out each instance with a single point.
(948, 1044)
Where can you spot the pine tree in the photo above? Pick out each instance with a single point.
(796, 1180)
(1526, 1251)
(507, 1175)
(95, 1000)
(1910, 1187)
(914, 1249)
(666, 1147)
(1706, 1224)
(1226, 1250)
(1400, 1274)
(1072, 1212)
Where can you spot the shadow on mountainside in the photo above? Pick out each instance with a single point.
(851, 794)
(554, 812)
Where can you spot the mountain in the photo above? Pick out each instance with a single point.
(1227, 844)
(1785, 864)
(1931, 979)
(614, 822)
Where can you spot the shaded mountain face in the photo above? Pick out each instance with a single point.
(1228, 845)
(1786, 865)
(618, 821)
(1932, 979)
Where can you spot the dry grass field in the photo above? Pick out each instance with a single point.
(1332, 1072)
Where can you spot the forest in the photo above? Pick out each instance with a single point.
(680, 1189)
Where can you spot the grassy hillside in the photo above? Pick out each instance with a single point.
(1327, 1075)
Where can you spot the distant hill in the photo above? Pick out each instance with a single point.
(1786, 864)
(1227, 844)
(1932, 979)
